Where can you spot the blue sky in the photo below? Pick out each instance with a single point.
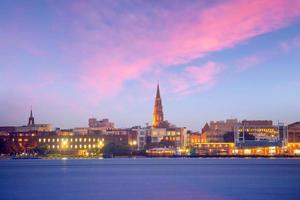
(214, 60)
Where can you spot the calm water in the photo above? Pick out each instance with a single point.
(150, 179)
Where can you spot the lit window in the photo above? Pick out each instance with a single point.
(58, 146)
(44, 139)
(53, 140)
(48, 139)
(89, 146)
(75, 139)
(57, 139)
(84, 146)
(71, 139)
(80, 146)
(75, 146)
(40, 140)
(80, 139)
(84, 139)
(53, 146)
(89, 139)
(94, 145)
(94, 139)
(71, 146)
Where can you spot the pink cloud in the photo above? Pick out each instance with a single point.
(195, 78)
(290, 44)
(250, 61)
(139, 44)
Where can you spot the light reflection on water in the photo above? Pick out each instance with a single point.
(150, 179)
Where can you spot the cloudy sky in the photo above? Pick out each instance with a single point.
(72, 60)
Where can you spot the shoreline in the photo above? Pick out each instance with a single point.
(141, 157)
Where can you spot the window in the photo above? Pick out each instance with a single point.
(40, 140)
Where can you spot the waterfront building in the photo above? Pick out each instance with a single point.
(72, 144)
(260, 130)
(141, 138)
(293, 146)
(215, 149)
(161, 152)
(294, 132)
(193, 138)
(175, 137)
(215, 131)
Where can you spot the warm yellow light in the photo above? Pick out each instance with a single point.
(297, 151)
(247, 151)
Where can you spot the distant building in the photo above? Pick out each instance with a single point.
(31, 126)
(294, 132)
(193, 138)
(141, 138)
(169, 137)
(215, 131)
(104, 123)
(259, 129)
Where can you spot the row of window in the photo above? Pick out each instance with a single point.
(267, 130)
(26, 134)
(75, 146)
(44, 140)
(215, 145)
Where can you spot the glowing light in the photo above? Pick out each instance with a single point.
(297, 151)
(247, 151)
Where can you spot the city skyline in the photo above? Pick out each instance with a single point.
(76, 60)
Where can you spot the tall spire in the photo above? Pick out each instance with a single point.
(157, 91)
(31, 118)
(158, 115)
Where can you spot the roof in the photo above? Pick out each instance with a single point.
(261, 143)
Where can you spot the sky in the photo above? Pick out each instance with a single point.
(71, 60)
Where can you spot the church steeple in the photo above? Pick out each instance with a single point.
(31, 118)
(158, 115)
(157, 91)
